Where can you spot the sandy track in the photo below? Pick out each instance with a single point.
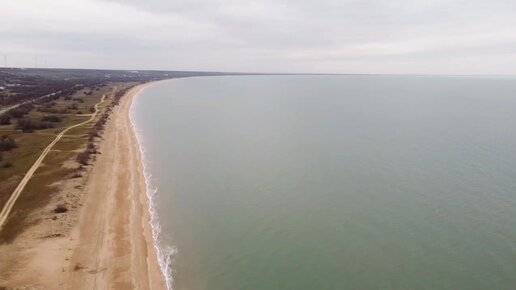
(6, 210)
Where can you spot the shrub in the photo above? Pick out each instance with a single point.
(28, 126)
(7, 143)
(83, 157)
(5, 119)
(20, 111)
(48, 110)
(7, 165)
(51, 118)
(92, 135)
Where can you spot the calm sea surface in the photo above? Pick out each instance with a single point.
(334, 182)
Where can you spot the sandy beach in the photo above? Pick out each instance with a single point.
(110, 245)
(119, 252)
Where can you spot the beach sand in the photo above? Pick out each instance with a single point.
(115, 245)
(111, 245)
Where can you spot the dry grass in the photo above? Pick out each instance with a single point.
(39, 191)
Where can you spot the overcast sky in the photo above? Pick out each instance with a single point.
(315, 36)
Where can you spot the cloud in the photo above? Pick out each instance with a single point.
(337, 36)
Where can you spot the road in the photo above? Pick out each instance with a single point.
(6, 210)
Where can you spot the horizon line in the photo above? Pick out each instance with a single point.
(228, 73)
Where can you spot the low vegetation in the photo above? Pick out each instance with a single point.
(51, 118)
(29, 126)
(84, 157)
(20, 111)
(5, 119)
(7, 143)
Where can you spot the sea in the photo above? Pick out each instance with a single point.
(332, 182)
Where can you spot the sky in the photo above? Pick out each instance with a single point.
(298, 36)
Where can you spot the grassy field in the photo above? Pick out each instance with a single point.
(60, 164)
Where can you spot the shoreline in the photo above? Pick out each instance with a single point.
(150, 217)
(122, 249)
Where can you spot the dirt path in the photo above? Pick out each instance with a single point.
(6, 210)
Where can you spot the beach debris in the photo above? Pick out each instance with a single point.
(78, 267)
(61, 208)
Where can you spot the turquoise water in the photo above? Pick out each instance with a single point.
(334, 182)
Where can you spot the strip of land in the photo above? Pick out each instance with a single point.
(115, 247)
(111, 245)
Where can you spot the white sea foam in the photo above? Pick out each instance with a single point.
(165, 254)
